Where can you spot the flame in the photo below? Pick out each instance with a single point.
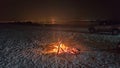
(60, 48)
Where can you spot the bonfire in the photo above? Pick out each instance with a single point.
(60, 48)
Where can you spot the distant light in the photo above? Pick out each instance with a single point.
(53, 21)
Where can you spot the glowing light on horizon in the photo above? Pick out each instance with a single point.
(53, 21)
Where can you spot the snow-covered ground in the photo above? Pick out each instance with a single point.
(22, 49)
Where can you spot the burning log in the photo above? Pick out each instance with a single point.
(60, 48)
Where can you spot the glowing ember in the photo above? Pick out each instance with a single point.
(60, 48)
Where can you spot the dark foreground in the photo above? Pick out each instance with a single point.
(21, 48)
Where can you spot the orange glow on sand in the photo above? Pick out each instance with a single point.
(59, 48)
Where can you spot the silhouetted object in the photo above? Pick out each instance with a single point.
(112, 27)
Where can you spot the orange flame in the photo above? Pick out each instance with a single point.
(61, 48)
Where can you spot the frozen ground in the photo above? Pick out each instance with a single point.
(21, 48)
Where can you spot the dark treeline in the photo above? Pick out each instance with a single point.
(78, 24)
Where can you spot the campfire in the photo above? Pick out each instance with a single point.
(60, 48)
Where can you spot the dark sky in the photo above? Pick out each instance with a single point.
(60, 10)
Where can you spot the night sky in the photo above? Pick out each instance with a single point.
(58, 10)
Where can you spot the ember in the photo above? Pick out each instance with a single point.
(60, 48)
